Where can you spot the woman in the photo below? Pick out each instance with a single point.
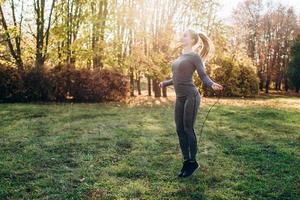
(187, 95)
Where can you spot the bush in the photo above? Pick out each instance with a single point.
(108, 85)
(83, 90)
(248, 81)
(11, 84)
(36, 85)
(87, 85)
(61, 83)
(238, 76)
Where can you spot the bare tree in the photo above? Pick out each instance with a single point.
(14, 47)
(42, 30)
(100, 12)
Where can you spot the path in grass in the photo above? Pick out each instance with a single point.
(112, 151)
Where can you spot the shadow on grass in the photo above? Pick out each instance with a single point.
(268, 166)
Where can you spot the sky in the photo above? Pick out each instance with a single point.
(228, 5)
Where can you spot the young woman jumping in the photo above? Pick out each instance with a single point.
(187, 95)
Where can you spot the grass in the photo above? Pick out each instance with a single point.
(112, 151)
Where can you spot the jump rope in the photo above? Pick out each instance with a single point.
(217, 101)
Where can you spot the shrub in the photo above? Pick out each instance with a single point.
(83, 90)
(61, 83)
(109, 85)
(85, 85)
(238, 76)
(36, 85)
(248, 80)
(11, 84)
(63, 80)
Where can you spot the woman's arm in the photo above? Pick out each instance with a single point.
(167, 82)
(201, 71)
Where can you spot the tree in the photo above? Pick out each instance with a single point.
(268, 31)
(294, 66)
(13, 34)
(68, 18)
(99, 11)
(42, 30)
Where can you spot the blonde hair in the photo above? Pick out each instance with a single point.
(207, 48)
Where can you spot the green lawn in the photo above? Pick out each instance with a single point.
(108, 151)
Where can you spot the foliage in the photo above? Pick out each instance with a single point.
(237, 75)
(108, 85)
(62, 83)
(65, 79)
(87, 85)
(36, 85)
(138, 37)
(11, 84)
(294, 66)
(267, 30)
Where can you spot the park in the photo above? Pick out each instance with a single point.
(90, 96)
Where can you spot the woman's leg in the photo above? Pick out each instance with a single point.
(182, 136)
(190, 112)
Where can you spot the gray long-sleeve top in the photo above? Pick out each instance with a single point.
(182, 69)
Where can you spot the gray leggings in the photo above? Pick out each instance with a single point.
(186, 109)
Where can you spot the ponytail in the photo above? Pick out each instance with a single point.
(207, 48)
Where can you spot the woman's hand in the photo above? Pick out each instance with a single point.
(216, 86)
(160, 84)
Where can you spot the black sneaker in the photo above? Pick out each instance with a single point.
(191, 167)
(184, 167)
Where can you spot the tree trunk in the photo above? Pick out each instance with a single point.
(164, 90)
(42, 31)
(261, 85)
(39, 61)
(98, 33)
(138, 85)
(131, 84)
(16, 53)
(156, 88)
(149, 85)
(286, 85)
(267, 85)
(276, 85)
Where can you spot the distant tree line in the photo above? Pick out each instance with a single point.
(267, 31)
(138, 38)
